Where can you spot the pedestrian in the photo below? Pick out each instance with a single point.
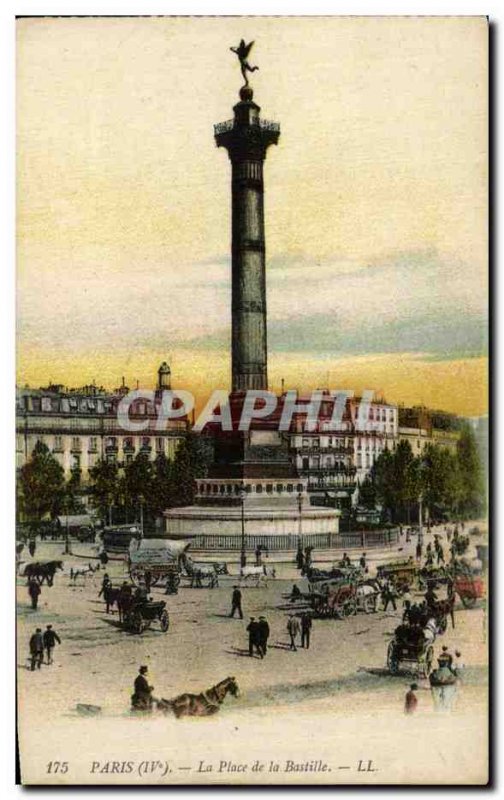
(293, 628)
(106, 584)
(388, 595)
(306, 625)
(148, 580)
(446, 658)
(440, 554)
(236, 599)
(411, 700)
(32, 546)
(141, 699)
(458, 665)
(299, 556)
(419, 551)
(36, 649)
(50, 638)
(253, 632)
(258, 551)
(263, 634)
(296, 593)
(362, 561)
(34, 591)
(430, 597)
(103, 557)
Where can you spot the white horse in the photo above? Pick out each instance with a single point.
(430, 631)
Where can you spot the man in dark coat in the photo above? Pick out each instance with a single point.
(141, 699)
(306, 625)
(253, 632)
(106, 584)
(362, 561)
(263, 634)
(50, 638)
(36, 649)
(34, 591)
(32, 546)
(236, 599)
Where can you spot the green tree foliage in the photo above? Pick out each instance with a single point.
(189, 463)
(105, 487)
(471, 500)
(41, 484)
(367, 493)
(448, 482)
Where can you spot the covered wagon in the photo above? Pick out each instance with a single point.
(155, 561)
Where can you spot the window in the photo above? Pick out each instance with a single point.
(58, 443)
(159, 444)
(93, 444)
(111, 441)
(300, 487)
(279, 488)
(269, 488)
(306, 463)
(46, 404)
(76, 443)
(146, 443)
(290, 487)
(259, 489)
(75, 462)
(111, 458)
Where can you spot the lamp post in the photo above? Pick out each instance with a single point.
(243, 555)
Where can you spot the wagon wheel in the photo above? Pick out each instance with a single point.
(136, 621)
(429, 658)
(349, 607)
(392, 659)
(468, 600)
(370, 604)
(165, 621)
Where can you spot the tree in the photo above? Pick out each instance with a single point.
(384, 481)
(471, 499)
(367, 493)
(105, 489)
(41, 484)
(189, 463)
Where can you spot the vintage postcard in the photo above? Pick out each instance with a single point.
(252, 400)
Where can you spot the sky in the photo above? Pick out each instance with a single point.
(375, 202)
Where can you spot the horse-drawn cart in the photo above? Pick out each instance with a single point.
(409, 646)
(139, 616)
(156, 561)
(334, 599)
(402, 574)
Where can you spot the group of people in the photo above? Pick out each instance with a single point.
(40, 643)
(443, 682)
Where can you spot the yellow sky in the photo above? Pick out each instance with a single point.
(124, 208)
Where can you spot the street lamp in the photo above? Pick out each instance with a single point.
(243, 555)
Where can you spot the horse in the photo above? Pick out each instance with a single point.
(83, 573)
(42, 571)
(199, 705)
(198, 572)
(112, 596)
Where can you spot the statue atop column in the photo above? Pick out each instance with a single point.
(242, 52)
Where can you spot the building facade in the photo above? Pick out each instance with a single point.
(80, 426)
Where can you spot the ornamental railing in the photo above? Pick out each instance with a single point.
(263, 124)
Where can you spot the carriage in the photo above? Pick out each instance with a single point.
(337, 599)
(410, 646)
(156, 561)
(142, 614)
(469, 588)
(402, 574)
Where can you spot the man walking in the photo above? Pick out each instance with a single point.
(49, 639)
(36, 649)
(419, 550)
(106, 584)
(306, 624)
(263, 632)
(34, 591)
(388, 595)
(236, 599)
(253, 632)
(293, 628)
(362, 562)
